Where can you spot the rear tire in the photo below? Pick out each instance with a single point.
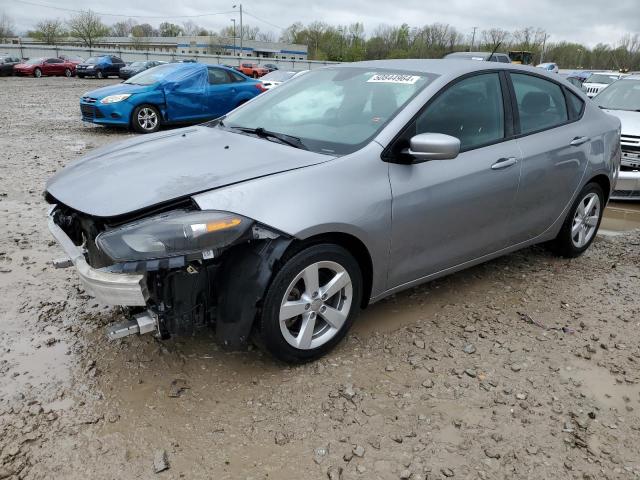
(581, 224)
(145, 119)
(323, 286)
(37, 73)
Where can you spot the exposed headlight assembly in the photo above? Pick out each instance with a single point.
(115, 98)
(175, 233)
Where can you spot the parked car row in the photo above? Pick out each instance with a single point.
(103, 66)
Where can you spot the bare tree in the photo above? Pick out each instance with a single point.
(266, 36)
(190, 28)
(493, 37)
(88, 27)
(49, 31)
(6, 27)
(123, 28)
(168, 29)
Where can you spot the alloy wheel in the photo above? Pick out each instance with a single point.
(147, 118)
(37, 73)
(316, 305)
(67, 72)
(585, 220)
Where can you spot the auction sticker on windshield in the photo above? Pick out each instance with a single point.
(394, 78)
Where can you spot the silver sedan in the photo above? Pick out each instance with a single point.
(283, 219)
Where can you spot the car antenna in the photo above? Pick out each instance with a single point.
(494, 51)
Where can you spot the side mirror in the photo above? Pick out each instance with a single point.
(433, 146)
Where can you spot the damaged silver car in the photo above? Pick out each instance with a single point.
(281, 220)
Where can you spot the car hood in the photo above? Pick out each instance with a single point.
(24, 65)
(129, 176)
(630, 121)
(116, 89)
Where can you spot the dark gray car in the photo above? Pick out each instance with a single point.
(283, 219)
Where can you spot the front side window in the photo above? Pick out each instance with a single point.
(470, 110)
(541, 103)
(332, 110)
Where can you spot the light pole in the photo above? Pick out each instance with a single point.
(241, 32)
(473, 38)
(234, 35)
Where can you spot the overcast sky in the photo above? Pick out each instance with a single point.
(585, 21)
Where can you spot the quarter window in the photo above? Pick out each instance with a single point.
(541, 103)
(575, 104)
(470, 110)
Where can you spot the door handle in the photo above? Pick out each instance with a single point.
(504, 163)
(576, 142)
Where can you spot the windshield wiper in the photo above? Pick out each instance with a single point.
(282, 137)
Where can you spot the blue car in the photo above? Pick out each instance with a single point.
(175, 93)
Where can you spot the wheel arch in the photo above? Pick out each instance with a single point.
(351, 244)
(604, 183)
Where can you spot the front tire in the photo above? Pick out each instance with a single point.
(582, 223)
(145, 119)
(37, 73)
(310, 304)
(67, 72)
(255, 75)
(99, 74)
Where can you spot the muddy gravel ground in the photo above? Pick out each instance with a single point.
(525, 367)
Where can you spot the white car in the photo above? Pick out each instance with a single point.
(549, 67)
(277, 77)
(598, 82)
(622, 100)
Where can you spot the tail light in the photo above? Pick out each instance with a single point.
(260, 87)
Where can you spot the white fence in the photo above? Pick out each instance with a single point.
(35, 51)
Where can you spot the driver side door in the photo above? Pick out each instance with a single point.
(449, 212)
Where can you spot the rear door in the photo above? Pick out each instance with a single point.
(448, 212)
(220, 92)
(555, 145)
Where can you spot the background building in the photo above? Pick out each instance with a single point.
(202, 45)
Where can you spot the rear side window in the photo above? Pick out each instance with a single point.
(217, 76)
(470, 110)
(541, 103)
(575, 104)
(116, 60)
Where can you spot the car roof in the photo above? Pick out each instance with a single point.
(443, 67)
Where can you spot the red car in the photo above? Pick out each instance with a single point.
(252, 70)
(45, 66)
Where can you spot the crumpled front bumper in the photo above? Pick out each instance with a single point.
(108, 287)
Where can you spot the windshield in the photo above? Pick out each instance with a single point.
(137, 64)
(600, 78)
(93, 60)
(622, 95)
(332, 110)
(34, 61)
(153, 75)
(278, 76)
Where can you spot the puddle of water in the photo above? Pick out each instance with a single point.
(620, 217)
(600, 385)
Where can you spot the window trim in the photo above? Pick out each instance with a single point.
(507, 106)
(516, 112)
